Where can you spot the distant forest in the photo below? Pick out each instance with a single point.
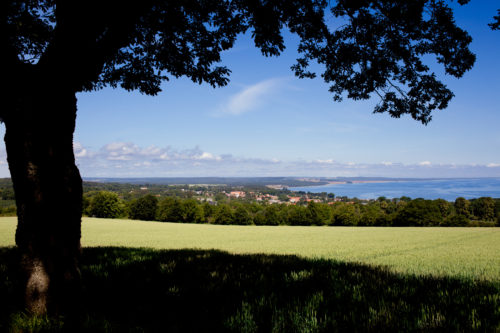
(229, 181)
(245, 181)
(247, 201)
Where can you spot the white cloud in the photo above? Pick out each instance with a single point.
(126, 159)
(79, 150)
(3, 158)
(120, 151)
(127, 152)
(250, 98)
(207, 156)
(328, 161)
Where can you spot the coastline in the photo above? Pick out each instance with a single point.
(448, 189)
(337, 182)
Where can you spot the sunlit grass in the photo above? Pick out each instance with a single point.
(461, 252)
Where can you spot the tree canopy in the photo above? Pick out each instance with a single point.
(366, 48)
(105, 205)
(495, 25)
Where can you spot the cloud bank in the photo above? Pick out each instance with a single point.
(126, 159)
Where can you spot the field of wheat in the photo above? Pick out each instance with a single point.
(460, 252)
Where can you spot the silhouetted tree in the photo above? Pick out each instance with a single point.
(53, 49)
(495, 25)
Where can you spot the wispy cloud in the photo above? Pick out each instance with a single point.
(250, 98)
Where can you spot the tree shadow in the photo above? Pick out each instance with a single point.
(134, 290)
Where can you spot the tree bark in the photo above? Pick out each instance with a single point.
(48, 189)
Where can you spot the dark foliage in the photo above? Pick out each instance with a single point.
(419, 212)
(241, 216)
(223, 214)
(105, 205)
(495, 25)
(483, 208)
(462, 207)
(169, 209)
(297, 215)
(144, 208)
(273, 215)
(455, 221)
(373, 47)
(180, 206)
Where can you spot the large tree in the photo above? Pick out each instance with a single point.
(53, 49)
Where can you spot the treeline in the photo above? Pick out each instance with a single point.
(128, 192)
(133, 191)
(247, 182)
(483, 211)
(7, 198)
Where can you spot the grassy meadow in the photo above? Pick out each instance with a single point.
(462, 252)
(151, 276)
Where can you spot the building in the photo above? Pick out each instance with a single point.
(237, 194)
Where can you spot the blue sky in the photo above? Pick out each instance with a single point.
(266, 122)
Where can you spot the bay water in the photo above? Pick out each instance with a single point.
(448, 189)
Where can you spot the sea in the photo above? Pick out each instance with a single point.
(448, 189)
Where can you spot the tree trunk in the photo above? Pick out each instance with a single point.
(48, 189)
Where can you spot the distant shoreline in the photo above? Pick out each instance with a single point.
(344, 182)
(448, 189)
(337, 182)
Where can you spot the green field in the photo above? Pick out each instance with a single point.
(461, 252)
(165, 277)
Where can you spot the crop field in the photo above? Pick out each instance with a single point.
(460, 252)
(167, 277)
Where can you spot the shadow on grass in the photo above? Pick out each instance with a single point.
(136, 290)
